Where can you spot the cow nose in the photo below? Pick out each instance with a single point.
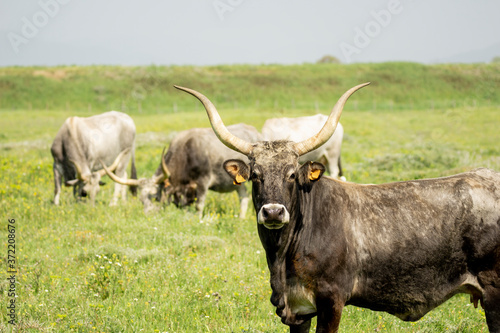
(273, 216)
(273, 213)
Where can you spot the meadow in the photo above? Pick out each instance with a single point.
(115, 269)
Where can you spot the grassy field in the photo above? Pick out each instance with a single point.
(149, 89)
(114, 269)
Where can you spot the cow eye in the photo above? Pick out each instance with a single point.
(254, 176)
(291, 175)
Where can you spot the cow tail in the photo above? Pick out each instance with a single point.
(133, 173)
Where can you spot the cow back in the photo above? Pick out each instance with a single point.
(302, 128)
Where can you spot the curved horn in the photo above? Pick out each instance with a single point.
(328, 129)
(79, 174)
(160, 178)
(119, 180)
(218, 126)
(113, 166)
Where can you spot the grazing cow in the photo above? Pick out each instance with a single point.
(82, 142)
(299, 129)
(149, 188)
(194, 161)
(403, 248)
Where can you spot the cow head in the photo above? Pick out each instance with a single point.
(274, 184)
(87, 184)
(274, 165)
(181, 195)
(148, 187)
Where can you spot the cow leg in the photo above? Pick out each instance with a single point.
(120, 190)
(201, 194)
(303, 328)
(329, 313)
(332, 163)
(491, 304)
(57, 184)
(123, 190)
(77, 191)
(244, 199)
(341, 173)
(490, 301)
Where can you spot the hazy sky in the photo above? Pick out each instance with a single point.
(206, 32)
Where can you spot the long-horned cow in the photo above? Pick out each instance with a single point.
(403, 248)
(194, 160)
(82, 142)
(191, 167)
(301, 128)
(149, 188)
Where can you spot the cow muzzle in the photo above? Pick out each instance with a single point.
(273, 216)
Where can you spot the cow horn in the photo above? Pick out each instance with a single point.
(328, 129)
(218, 126)
(79, 173)
(160, 178)
(119, 180)
(113, 166)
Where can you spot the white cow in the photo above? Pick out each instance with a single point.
(82, 142)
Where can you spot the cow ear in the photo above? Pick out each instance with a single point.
(238, 170)
(310, 172)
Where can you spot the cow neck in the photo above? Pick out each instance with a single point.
(282, 245)
(73, 132)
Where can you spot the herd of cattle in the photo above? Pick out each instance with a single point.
(85, 149)
(403, 248)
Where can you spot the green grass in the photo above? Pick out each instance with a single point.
(114, 269)
(150, 89)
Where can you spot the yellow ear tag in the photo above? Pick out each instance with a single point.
(239, 179)
(313, 175)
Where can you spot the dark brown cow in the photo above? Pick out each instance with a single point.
(194, 160)
(403, 248)
(149, 188)
(191, 167)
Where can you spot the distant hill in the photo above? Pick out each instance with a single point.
(149, 89)
(484, 55)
